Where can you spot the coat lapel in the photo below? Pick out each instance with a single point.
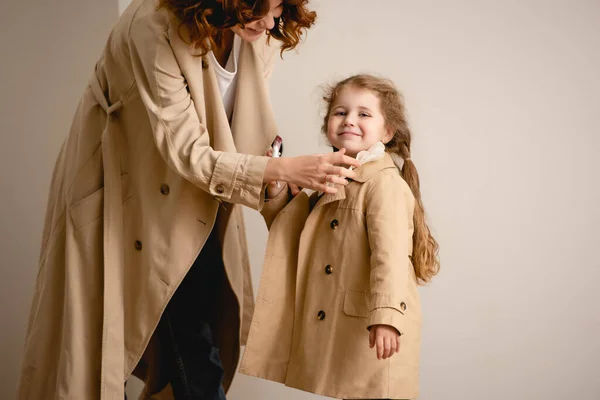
(363, 174)
(202, 83)
(252, 132)
(330, 198)
(249, 132)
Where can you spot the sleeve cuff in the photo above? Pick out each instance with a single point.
(386, 316)
(238, 179)
(273, 206)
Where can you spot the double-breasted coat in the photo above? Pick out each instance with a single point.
(331, 271)
(140, 183)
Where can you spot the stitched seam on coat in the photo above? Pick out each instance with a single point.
(134, 18)
(50, 235)
(235, 184)
(130, 90)
(245, 188)
(70, 188)
(388, 378)
(166, 128)
(161, 122)
(348, 208)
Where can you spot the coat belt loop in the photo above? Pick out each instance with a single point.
(101, 98)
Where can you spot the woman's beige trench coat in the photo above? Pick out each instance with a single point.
(329, 274)
(149, 160)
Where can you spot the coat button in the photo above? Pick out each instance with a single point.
(321, 315)
(334, 224)
(403, 306)
(164, 189)
(328, 269)
(220, 189)
(138, 245)
(204, 64)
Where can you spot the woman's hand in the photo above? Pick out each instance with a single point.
(387, 339)
(312, 172)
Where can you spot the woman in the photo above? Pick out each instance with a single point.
(167, 141)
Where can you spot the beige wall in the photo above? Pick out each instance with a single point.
(48, 52)
(503, 99)
(503, 102)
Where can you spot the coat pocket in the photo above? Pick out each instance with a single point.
(356, 304)
(88, 209)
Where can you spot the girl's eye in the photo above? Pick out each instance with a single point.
(339, 113)
(363, 114)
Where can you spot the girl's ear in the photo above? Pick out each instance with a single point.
(389, 135)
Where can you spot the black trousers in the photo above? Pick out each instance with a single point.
(185, 328)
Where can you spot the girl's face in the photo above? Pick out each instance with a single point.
(355, 121)
(255, 29)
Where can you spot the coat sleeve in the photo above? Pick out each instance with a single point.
(180, 136)
(273, 206)
(388, 230)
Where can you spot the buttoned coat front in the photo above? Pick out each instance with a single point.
(138, 186)
(331, 271)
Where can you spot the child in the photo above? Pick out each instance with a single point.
(338, 293)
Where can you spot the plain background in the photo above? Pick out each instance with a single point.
(503, 100)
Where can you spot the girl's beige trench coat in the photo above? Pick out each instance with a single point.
(331, 271)
(150, 159)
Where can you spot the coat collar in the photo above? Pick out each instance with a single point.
(366, 171)
(363, 174)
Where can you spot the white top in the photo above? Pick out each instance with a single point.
(227, 77)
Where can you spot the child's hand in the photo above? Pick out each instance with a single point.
(387, 339)
(273, 188)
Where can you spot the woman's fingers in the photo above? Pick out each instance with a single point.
(295, 189)
(338, 180)
(326, 189)
(341, 171)
(321, 172)
(340, 157)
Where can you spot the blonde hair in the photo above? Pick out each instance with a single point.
(425, 248)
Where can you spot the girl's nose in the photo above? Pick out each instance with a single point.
(348, 121)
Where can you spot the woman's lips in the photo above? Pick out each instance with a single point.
(255, 31)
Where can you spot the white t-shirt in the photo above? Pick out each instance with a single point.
(227, 77)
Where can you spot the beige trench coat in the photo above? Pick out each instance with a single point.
(149, 161)
(328, 275)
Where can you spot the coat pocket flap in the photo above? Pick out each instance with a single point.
(87, 209)
(356, 304)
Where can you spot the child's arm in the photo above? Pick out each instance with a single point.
(387, 227)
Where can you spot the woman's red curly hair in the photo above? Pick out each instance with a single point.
(207, 19)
